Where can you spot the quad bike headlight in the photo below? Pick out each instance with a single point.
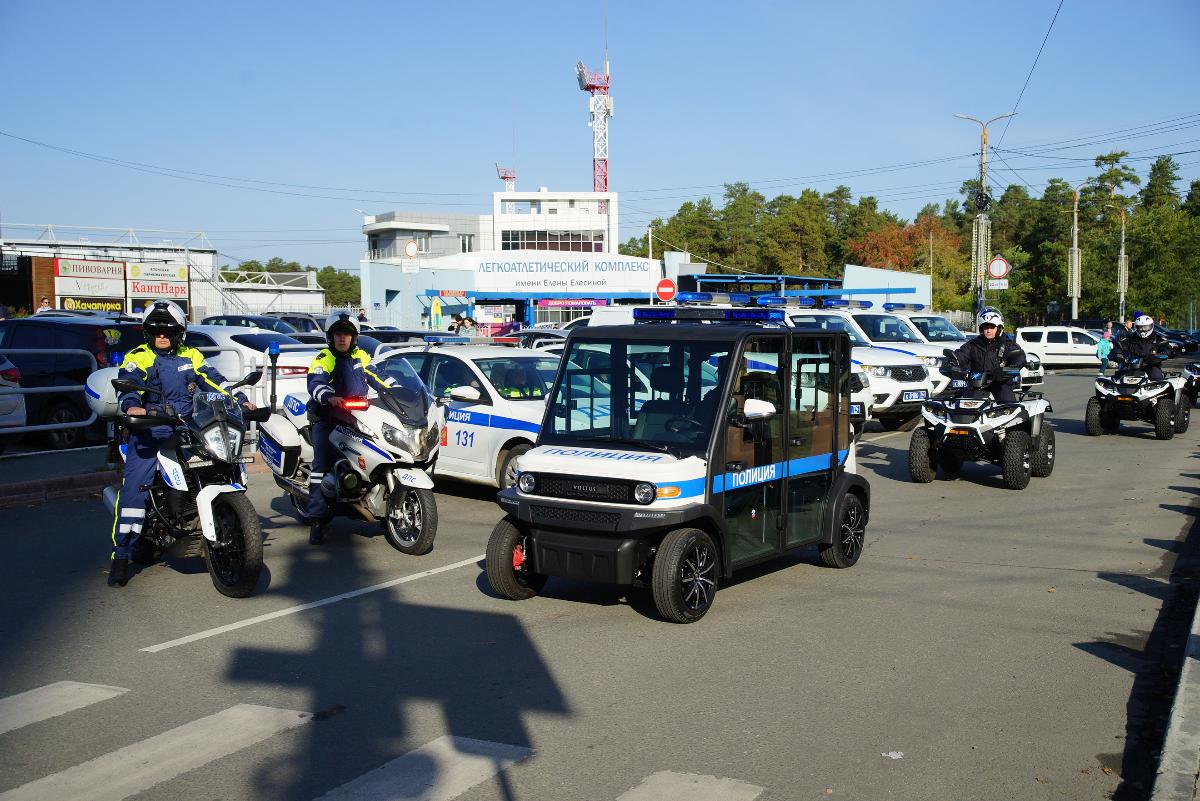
(996, 414)
(1154, 386)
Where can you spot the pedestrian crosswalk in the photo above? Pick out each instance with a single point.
(443, 769)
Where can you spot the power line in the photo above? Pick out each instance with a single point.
(1030, 75)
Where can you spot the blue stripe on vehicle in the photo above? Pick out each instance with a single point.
(91, 392)
(897, 350)
(378, 450)
(485, 420)
(775, 471)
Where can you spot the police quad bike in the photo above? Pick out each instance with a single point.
(386, 449)
(197, 502)
(737, 450)
(970, 425)
(1191, 372)
(1130, 394)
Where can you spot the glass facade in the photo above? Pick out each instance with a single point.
(575, 241)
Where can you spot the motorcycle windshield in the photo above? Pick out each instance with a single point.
(408, 398)
(214, 407)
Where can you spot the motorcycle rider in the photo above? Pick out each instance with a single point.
(164, 363)
(1144, 343)
(339, 371)
(990, 352)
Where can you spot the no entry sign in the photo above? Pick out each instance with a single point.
(665, 290)
(998, 267)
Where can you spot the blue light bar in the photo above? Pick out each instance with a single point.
(438, 339)
(692, 314)
(665, 313)
(776, 301)
(842, 303)
(735, 298)
(904, 307)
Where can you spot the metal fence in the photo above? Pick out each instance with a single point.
(80, 388)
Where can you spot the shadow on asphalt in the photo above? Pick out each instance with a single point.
(1155, 658)
(372, 665)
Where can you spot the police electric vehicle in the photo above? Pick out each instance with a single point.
(495, 395)
(738, 449)
(936, 330)
(1131, 394)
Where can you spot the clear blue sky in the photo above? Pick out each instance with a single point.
(422, 98)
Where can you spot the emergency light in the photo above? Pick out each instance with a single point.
(904, 307)
(355, 404)
(438, 339)
(842, 303)
(733, 298)
(780, 300)
(687, 314)
(273, 348)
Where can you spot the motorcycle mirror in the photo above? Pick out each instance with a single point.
(124, 385)
(250, 380)
(139, 421)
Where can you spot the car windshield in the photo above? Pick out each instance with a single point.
(885, 328)
(828, 322)
(938, 329)
(657, 395)
(520, 378)
(260, 342)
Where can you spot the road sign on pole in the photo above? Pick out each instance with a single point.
(665, 290)
(998, 267)
(997, 283)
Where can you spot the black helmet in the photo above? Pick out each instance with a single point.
(344, 322)
(164, 317)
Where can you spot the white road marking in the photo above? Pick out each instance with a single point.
(885, 436)
(669, 786)
(291, 610)
(440, 770)
(138, 767)
(51, 701)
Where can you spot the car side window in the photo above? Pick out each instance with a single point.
(194, 339)
(1031, 336)
(1080, 338)
(447, 373)
(29, 336)
(1056, 337)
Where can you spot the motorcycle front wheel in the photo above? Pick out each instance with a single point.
(411, 522)
(235, 560)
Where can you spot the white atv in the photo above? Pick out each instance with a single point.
(387, 447)
(971, 425)
(1132, 395)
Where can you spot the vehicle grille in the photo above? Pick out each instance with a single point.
(961, 417)
(909, 374)
(557, 516)
(584, 489)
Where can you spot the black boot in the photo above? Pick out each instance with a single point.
(316, 532)
(118, 573)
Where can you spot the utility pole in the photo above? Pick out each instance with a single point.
(1074, 273)
(1122, 269)
(931, 269)
(981, 231)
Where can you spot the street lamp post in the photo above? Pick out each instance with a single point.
(1122, 264)
(981, 234)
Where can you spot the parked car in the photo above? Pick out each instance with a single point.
(236, 351)
(1059, 344)
(12, 407)
(399, 336)
(368, 343)
(250, 321)
(107, 339)
(540, 337)
(301, 321)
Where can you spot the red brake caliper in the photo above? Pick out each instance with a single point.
(518, 557)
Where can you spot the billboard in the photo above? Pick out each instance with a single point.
(157, 272)
(87, 285)
(171, 290)
(92, 304)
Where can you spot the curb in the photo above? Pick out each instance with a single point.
(1179, 765)
(61, 488)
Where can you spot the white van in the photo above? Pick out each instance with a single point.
(1059, 344)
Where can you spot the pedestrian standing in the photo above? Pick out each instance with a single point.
(1103, 348)
(44, 305)
(362, 315)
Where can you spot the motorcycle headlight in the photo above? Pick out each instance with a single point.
(226, 447)
(526, 483)
(643, 492)
(878, 370)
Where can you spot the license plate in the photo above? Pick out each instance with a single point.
(856, 409)
(245, 460)
(914, 395)
(958, 383)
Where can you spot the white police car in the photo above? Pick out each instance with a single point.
(936, 330)
(495, 396)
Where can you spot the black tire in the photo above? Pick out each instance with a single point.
(1043, 451)
(685, 575)
(236, 561)
(505, 547)
(62, 439)
(921, 465)
(1183, 417)
(144, 554)
(506, 466)
(849, 536)
(1164, 418)
(1016, 461)
(411, 524)
(1092, 418)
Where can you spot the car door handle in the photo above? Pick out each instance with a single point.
(735, 467)
(798, 441)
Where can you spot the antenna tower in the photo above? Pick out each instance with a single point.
(601, 107)
(509, 176)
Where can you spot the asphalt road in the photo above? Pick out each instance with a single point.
(990, 644)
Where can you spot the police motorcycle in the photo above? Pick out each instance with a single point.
(388, 445)
(1130, 394)
(971, 425)
(738, 449)
(197, 504)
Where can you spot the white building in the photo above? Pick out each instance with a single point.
(538, 256)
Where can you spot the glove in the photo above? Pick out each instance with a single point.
(998, 374)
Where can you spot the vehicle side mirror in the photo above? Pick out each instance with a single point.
(123, 385)
(755, 409)
(465, 394)
(249, 381)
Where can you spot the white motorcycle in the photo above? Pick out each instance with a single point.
(387, 447)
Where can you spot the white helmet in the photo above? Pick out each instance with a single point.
(342, 321)
(164, 317)
(1143, 324)
(990, 316)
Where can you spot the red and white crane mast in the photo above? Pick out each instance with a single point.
(601, 107)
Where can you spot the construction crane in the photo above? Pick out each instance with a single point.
(601, 107)
(509, 176)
